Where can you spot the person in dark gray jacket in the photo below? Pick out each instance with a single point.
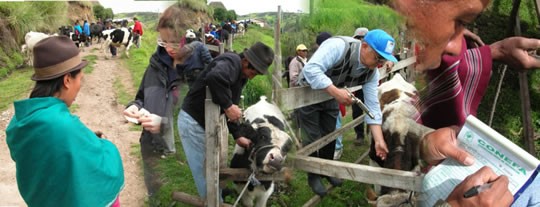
(158, 94)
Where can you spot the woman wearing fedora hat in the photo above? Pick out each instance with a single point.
(60, 162)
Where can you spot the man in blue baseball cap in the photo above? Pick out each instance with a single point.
(343, 61)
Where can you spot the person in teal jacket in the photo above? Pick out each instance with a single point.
(59, 161)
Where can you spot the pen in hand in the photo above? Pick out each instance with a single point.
(476, 190)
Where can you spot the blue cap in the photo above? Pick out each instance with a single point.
(382, 43)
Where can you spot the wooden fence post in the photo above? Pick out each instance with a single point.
(528, 132)
(276, 76)
(212, 150)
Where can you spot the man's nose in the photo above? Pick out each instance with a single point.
(455, 44)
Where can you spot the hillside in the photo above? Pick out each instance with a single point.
(18, 18)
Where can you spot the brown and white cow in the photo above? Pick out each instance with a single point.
(401, 133)
(265, 127)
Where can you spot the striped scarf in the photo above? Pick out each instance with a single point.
(455, 89)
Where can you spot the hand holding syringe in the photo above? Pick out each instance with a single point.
(360, 104)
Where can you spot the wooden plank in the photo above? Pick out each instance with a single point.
(229, 43)
(528, 132)
(401, 65)
(239, 174)
(317, 199)
(307, 150)
(223, 138)
(537, 6)
(276, 80)
(296, 97)
(212, 150)
(213, 48)
(221, 48)
(361, 173)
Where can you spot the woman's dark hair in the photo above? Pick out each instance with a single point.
(46, 88)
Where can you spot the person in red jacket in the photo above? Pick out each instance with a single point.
(137, 32)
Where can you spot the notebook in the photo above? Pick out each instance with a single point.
(489, 148)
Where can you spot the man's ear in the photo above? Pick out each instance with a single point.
(364, 45)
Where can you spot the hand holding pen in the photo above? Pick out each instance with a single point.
(483, 188)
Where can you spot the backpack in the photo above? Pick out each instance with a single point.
(287, 62)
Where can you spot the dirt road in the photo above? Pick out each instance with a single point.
(98, 109)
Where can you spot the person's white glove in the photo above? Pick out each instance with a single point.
(133, 113)
(151, 123)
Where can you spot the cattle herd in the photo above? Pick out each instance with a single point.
(108, 38)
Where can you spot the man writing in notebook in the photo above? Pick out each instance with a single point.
(466, 73)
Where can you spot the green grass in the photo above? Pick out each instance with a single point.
(74, 108)
(16, 86)
(122, 95)
(91, 62)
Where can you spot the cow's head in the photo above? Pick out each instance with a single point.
(65, 30)
(107, 33)
(270, 143)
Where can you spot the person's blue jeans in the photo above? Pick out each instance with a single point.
(192, 136)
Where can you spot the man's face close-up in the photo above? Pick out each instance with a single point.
(437, 26)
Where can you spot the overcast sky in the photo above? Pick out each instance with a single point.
(241, 7)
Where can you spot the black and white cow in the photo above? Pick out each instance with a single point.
(79, 40)
(401, 133)
(264, 126)
(117, 38)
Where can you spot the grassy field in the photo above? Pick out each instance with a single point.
(16, 86)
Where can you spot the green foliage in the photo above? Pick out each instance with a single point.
(108, 13)
(9, 61)
(23, 17)
(91, 62)
(196, 5)
(102, 13)
(220, 14)
(15, 87)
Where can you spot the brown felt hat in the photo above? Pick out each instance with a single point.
(260, 56)
(54, 57)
